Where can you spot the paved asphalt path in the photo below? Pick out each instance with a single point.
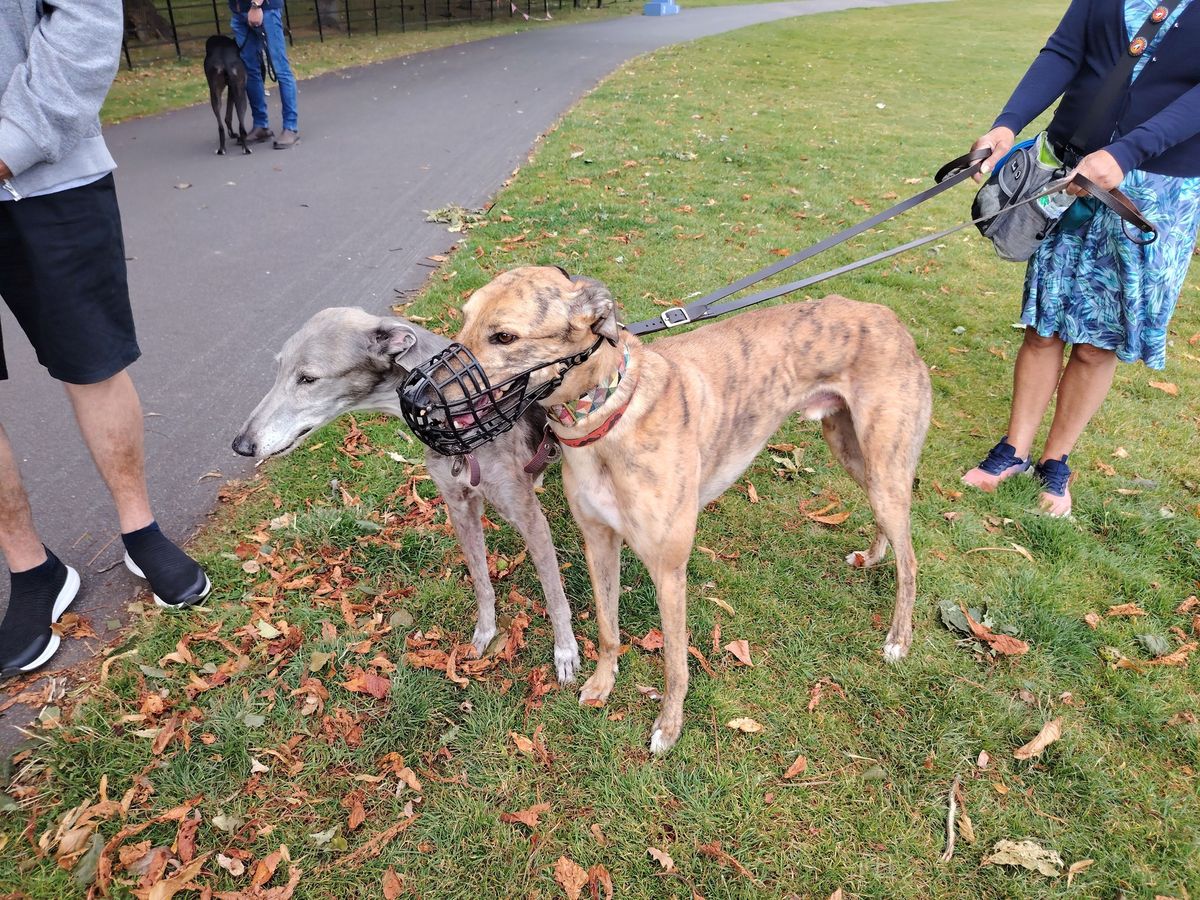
(223, 271)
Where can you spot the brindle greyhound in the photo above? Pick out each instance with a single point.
(345, 359)
(688, 414)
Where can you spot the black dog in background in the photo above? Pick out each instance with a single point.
(223, 68)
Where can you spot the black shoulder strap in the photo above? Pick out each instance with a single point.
(1091, 130)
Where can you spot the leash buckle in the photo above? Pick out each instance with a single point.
(683, 318)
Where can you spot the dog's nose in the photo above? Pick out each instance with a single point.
(243, 446)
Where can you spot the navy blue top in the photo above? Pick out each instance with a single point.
(1158, 123)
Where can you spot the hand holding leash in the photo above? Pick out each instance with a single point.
(999, 141)
(255, 16)
(1101, 169)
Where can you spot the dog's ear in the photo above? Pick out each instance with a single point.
(592, 308)
(392, 339)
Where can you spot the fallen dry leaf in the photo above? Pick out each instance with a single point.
(1050, 733)
(1077, 867)
(983, 759)
(652, 641)
(393, 885)
(600, 884)
(1027, 854)
(1001, 643)
(1178, 658)
(799, 767)
(570, 876)
(662, 858)
(751, 492)
(524, 744)
(598, 834)
(1188, 605)
(743, 724)
(181, 880)
(1166, 387)
(817, 691)
(740, 650)
(714, 851)
(1093, 620)
(1126, 609)
(363, 682)
(527, 817)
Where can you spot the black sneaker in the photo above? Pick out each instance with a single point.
(176, 580)
(38, 599)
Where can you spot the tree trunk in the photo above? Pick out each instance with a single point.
(144, 22)
(328, 13)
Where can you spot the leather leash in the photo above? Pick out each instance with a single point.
(951, 174)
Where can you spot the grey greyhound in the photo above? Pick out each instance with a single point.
(345, 359)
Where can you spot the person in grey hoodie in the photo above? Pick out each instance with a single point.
(62, 274)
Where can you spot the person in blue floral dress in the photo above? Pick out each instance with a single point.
(1088, 285)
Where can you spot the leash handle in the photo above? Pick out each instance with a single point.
(966, 162)
(1122, 206)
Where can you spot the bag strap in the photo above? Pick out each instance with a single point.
(1117, 81)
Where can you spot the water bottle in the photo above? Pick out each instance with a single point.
(1054, 205)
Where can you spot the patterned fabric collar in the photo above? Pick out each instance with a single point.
(574, 411)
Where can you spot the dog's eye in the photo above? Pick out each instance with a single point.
(503, 337)
(305, 379)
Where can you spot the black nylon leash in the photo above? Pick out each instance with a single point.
(954, 172)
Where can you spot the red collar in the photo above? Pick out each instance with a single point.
(604, 427)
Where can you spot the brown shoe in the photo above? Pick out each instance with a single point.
(287, 139)
(258, 135)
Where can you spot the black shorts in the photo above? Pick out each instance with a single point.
(62, 273)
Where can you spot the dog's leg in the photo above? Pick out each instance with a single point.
(214, 95)
(891, 452)
(670, 579)
(466, 510)
(520, 507)
(602, 547)
(238, 92)
(838, 429)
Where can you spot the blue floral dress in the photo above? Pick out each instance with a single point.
(1092, 285)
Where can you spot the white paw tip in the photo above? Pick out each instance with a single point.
(858, 559)
(894, 652)
(657, 743)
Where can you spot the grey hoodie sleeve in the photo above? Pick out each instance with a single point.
(54, 96)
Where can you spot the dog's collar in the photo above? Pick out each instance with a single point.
(574, 411)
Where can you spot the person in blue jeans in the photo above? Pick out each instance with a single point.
(252, 19)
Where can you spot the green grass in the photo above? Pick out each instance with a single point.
(740, 144)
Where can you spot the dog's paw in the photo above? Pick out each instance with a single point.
(596, 689)
(566, 662)
(220, 151)
(865, 559)
(894, 651)
(663, 738)
(481, 638)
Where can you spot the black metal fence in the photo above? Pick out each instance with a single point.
(165, 29)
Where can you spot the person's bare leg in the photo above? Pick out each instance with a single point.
(110, 419)
(19, 541)
(1081, 392)
(1035, 376)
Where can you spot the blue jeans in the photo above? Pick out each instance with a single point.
(248, 39)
